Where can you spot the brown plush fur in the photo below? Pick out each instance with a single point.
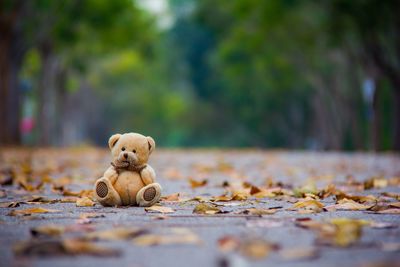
(129, 180)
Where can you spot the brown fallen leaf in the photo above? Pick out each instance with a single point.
(299, 253)
(239, 195)
(309, 205)
(69, 200)
(195, 183)
(82, 193)
(172, 197)
(392, 195)
(388, 211)
(376, 182)
(348, 204)
(62, 247)
(160, 209)
(119, 233)
(40, 199)
(259, 212)
(228, 243)
(395, 205)
(256, 249)
(30, 211)
(178, 236)
(309, 188)
(10, 204)
(84, 202)
(48, 230)
(204, 208)
(254, 190)
(222, 198)
(346, 232)
(91, 215)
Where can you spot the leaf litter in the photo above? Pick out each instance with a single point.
(23, 178)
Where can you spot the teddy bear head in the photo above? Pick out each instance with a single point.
(130, 149)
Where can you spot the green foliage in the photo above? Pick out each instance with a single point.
(227, 73)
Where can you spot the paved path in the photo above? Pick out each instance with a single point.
(231, 238)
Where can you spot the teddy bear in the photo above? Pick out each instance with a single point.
(129, 180)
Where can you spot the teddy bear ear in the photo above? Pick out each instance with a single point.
(151, 143)
(113, 140)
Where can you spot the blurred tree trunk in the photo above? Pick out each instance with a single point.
(376, 120)
(396, 144)
(11, 54)
(47, 94)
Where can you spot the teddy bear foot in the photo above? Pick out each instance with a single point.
(105, 193)
(149, 195)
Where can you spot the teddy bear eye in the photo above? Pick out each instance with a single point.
(123, 149)
(134, 151)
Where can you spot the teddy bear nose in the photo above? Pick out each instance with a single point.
(126, 155)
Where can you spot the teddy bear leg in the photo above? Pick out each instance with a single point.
(106, 194)
(149, 195)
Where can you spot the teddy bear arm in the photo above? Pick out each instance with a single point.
(111, 174)
(148, 175)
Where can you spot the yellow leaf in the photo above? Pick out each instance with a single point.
(160, 209)
(300, 253)
(30, 211)
(309, 204)
(48, 230)
(259, 212)
(204, 208)
(172, 197)
(84, 202)
(179, 236)
(228, 243)
(348, 204)
(348, 231)
(195, 183)
(256, 249)
(119, 233)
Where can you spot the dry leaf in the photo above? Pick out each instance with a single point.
(76, 247)
(310, 205)
(254, 190)
(48, 230)
(228, 243)
(389, 211)
(91, 215)
(239, 196)
(177, 236)
(10, 204)
(256, 249)
(84, 202)
(120, 233)
(172, 197)
(204, 208)
(348, 204)
(259, 212)
(30, 211)
(301, 253)
(62, 247)
(69, 200)
(195, 183)
(346, 232)
(221, 198)
(160, 209)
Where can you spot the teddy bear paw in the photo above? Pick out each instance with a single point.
(149, 195)
(106, 194)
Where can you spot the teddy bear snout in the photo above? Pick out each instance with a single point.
(127, 157)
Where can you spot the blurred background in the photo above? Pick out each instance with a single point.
(322, 75)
